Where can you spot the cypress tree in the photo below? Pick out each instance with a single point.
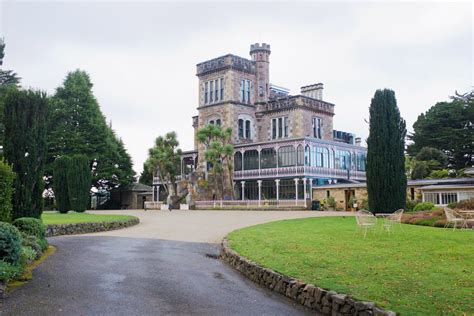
(25, 119)
(60, 183)
(79, 182)
(386, 179)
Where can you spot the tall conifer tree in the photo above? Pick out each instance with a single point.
(25, 119)
(386, 179)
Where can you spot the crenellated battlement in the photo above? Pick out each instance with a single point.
(259, 47)
(225, 62)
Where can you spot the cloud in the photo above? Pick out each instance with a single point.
(142, 56)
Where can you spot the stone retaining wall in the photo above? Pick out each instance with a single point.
(85, 228)
(317, 299)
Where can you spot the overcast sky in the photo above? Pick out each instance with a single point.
(141, 56)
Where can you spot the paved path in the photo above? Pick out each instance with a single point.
(164, 265)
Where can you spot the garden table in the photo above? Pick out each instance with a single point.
(387, 225)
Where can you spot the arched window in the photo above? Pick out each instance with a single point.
(361, 161)
(343, 159)
(238, 161)
(313, 156)
(251, 160)
(248, 133)
(307, 156)
(267, 158)
(300, 155)
(325, 158)
(218, 122)
(286, 156)
(241, 128)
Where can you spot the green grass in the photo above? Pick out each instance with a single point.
(57, 218)
(417, 271)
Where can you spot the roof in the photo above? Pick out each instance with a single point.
(438, 183)
(137, 187)
(448, 187)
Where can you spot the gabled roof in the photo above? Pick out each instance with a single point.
(137, 187)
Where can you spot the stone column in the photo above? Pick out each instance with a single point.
(243, 189)
(296, 191)
(259, 192)
(277, 182)
(157, 193)
(311, 189)
(304, 188)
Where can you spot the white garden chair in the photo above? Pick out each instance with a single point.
(365, 220)
(394, 218)
(453, 217)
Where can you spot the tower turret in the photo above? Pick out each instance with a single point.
(261, 55)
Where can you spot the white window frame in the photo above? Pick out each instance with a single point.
(281, 127)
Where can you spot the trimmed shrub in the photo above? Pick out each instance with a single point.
(423, 206)
(30, 226)
(10, 243)
(7, 176)
(9, 271)
(60, 183)
(33, 243)
(27, 255)
(43, 243)
(78, 183)
(411, 204)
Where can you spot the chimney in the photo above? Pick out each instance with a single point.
(358, 141)
(314, 91)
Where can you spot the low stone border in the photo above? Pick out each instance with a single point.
(85, 228)
(317, 299)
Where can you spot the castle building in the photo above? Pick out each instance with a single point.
(284, 144)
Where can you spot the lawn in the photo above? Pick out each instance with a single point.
(57, 218)
(417, 270)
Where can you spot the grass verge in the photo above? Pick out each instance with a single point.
(70, 218)
(417, 270)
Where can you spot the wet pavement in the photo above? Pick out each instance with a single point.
(91, 275)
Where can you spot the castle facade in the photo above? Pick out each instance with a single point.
(284, 144)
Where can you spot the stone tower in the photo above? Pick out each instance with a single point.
(261, 55)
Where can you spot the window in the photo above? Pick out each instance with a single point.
(222, 89)
(316, 123)
(247, 129)
(274, 128)
(245, 91)
(267, 158)
(218, 122)
(211, 89)
(241, 128)
(300, 155)
(251, 160)
(431, 197)
(211, 122)
(343, 159)
(361, 159)
(286, 156)
(280, 127)
(237, 161)
(448, 197)
(307, 156)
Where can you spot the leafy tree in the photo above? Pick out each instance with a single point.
(449, 127)
(219, 153)
(420, 170)
(25, 118)
(427, 162)
(79, 127)
(78, 183)
(386, 179)
(7, 176)
(8, 80)
(437, 158)
(7, 77)
(60, 185)
(164, 159)
(146, 176)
